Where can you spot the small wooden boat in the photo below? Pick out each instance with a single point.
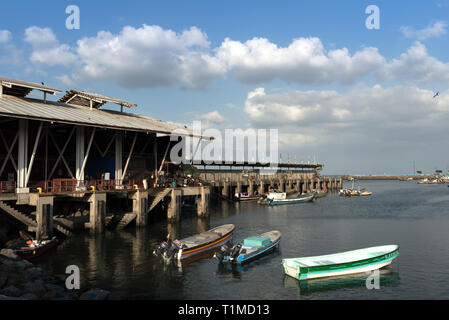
(350, 262)
(196, 244)
(365, 192)
(306, 197)
(31, 249)
(245, 197)
(276, 195)
(251, 248)
(349, 193)
(320, 194)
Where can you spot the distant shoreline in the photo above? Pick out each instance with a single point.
(391, 177)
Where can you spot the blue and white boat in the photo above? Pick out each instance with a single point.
(306, 197)
(251, 248)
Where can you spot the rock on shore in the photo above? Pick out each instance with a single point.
(21, 280)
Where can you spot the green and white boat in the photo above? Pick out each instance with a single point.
(338, 264)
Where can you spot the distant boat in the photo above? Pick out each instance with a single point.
(245, 197)
(338, 264)
(320, 193)
(276, 195)
(349, 192)
(365, 192)
(251, 249)
(31, 249)
(196, 244)
(306, 197)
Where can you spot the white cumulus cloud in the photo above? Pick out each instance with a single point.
(5, 36)
(433, 30)
(149, 56)
(303, 61)
(367, 126)
(46, 48)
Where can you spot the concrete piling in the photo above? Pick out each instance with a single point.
(174, 207)
(140, 207)
(97, 212)
(203, 202)
(44, 217)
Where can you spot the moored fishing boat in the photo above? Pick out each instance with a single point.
(365, 192)
(30, 249)
(276, 195)
(349, 262)
(320, 193)
(195, 245)
(306, 197)
(251, 248)
(245, 197)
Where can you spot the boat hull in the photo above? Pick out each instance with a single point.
(259, 253)
(289, 201)
(251, 198)
(242, 259)
(305, 273)
(189, 253)
(33, 253)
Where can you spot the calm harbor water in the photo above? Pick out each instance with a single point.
(416, 217)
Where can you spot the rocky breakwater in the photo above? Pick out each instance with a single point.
(21, 280)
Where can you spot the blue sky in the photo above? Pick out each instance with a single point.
(319, 112)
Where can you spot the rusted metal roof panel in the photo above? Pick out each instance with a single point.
(18, 107)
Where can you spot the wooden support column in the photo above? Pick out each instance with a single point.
(251, 187)
(44, 217)
(225, 190)
(239, 187)
(203, 202)
(174, 207)
(261, 187)
(140, 207)
(298, 186)
(281, 185)
(97, 212)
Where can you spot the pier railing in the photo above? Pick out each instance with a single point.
(73, 185)
(7, 187)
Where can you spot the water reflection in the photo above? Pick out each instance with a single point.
(236, 270)
(173, 230)
(388, 278)
(203, 224)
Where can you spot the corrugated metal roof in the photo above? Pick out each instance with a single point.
(29, 85)
(34, 109)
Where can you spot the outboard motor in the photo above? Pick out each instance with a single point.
(224, 251)
(235, 251)
(161, 249)
(171, 251)
(174, 248)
